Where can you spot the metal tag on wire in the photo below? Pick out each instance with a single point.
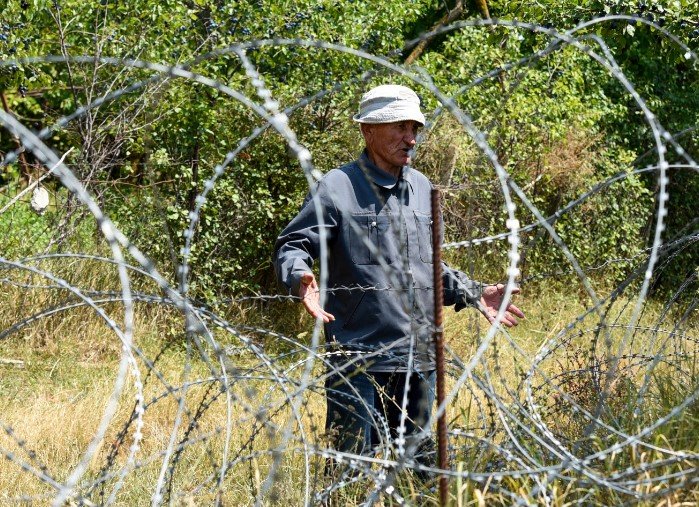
(40, 199)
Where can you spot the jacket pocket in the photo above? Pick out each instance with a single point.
(369, 239)
(423, 223)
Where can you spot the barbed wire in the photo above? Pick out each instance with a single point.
(210, 404)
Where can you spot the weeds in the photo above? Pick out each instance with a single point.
(586, 403)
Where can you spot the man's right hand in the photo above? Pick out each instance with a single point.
(310, 297)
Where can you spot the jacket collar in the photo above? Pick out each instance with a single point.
(380, 177)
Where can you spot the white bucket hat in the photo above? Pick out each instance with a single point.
(388, 104)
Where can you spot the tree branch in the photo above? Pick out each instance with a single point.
(446, 19)
(20, 148)
(449, 17)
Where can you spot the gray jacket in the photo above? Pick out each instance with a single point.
(378, 230)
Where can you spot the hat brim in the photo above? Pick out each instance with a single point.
(373, 119)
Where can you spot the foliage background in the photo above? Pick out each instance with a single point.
(559, 124)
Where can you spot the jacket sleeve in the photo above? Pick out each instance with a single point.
(298, 245)
(460, 290)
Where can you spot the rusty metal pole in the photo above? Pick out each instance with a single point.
(439, 343)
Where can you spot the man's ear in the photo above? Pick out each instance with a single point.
(367, 129)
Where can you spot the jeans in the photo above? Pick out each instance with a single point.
(364, 410)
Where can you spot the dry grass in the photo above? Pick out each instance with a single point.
(55, 403)
(570, 163)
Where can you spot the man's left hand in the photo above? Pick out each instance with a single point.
(491, 301)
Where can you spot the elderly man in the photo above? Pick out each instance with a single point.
(376, 215)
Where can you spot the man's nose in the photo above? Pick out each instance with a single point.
(410, 139)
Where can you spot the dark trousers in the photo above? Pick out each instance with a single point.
(365, 408)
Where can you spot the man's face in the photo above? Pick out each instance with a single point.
(389, 144)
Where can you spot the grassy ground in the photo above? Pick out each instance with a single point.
(52, 403)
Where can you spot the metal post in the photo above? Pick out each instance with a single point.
(439, 343)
